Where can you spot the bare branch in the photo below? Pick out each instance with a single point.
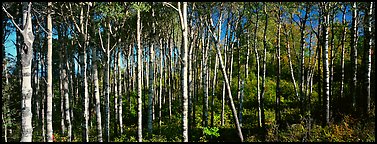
(41, 26)
(170, 5)
(73, 18)
(11, 17)
(101, 41)
(112, 48)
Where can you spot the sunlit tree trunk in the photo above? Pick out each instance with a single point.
(258, 70)
(184, 77)
(226, 67)
(97, 94)
(214, 79)
(139, 71)
(26, 58)
(367, 55)
(49, 76)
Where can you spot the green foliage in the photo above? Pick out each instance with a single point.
(211, 131)
(141, 6)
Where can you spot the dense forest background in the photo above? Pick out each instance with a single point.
(179, 71)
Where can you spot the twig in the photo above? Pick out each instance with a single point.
(11, 17)
(168, 4)
(101, 41)
(41, 26)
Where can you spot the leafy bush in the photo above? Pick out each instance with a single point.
(209, 132)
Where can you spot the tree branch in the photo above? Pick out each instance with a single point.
(101, 41)
(41, 25)
(73, 18)
(11, 17)
(168, 4)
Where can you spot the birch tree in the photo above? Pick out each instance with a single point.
(326, 95)
(49, 74)
(26, 57)
(367, 54)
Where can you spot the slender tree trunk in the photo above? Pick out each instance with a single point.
(353, 44)
(184, 77)
(326, 95)
(331, 58)
(139, 71)
(171, 75)
(319, 47)
(61, 65)
(234, 112)
(239, 82)
(66, 95)
(226, 67)
(367, 55)
(86, 97)
(247, 55)
(49, 76)
(342, 58)
(97, 94)
(205, 81)
(190, 71)
(277, 109)
(62, 123)
(214, 80)
(115, 88)
(160, 90)
(120, 95)
(151, 78)
(302, 62)
(264, 72)
(6, 119)
(43, 118)
(214, 90)
(106, 84)
(258, 70)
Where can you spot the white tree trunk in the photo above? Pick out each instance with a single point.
(26, 57)
(66, 99)
(258, 70)
(184, 77)
(97, 95)
(368, 54)
(120, 94)
(139, 71)
(49, 77)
